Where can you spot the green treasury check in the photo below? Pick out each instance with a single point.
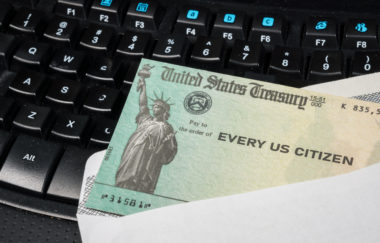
(187, 134)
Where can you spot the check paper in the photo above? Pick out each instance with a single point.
(187, 134)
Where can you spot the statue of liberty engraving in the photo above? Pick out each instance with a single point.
(151, 146)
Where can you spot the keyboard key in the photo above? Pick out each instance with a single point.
(130, 75)
(230, 26)
(246, 54)
(27, 21)
(326, 66)
(5, 12)
(360, 34)
(6, 109)
(170, 48)
(321, 33)
(5, 139)
(67, 179)
(97, 38)
(72, 8)
(61, 31)
(32, 119)
(28, 165)
(70, 128)
(287, 62)
(133, 44)
(101, 100)
(193, 21)
(105, 71)
(207, 51)
(32, 55)
(365, 63)
(102, 134)
(268, 29)
(144, 15)
(63, 93)
(27, 84)
(6, 48)
(68, 62)
(107, 11)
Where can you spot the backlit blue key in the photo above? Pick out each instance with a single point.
(192, 14)
(106, 3)
(142, 7)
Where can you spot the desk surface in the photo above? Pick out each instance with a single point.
(21, 226)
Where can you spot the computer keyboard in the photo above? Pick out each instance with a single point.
(67, 67)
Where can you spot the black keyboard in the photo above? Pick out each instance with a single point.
(67, 67)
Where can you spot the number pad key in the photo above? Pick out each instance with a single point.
(61, 31)
(32, 119)
(286, 61)
(133, 44)
(97, 38)
(170, 48)
(207, 51)
(365, 63)
(325, 66)
(246, 54)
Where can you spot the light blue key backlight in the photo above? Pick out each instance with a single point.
(229, 18)
(268, 21)
(361, 27)
(142, 7)
(106, 3)
(192, 14)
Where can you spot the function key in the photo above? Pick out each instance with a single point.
(326, 66)
(27, 21)
(247, 54)
(32, 55)
(365, 63)
(268, 29)
(97, 38)
(72, 8)
(133, 44)
(193, 21)
(360, 34)
(320, 33)
(170, 48)
(287, 62)
(145, 15)
(28, 165)
(107, 11)
(230, 26)
(207, 51)
(61, 30)
(32, 119)
(27, 84)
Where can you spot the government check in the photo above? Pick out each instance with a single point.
(187, 134)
